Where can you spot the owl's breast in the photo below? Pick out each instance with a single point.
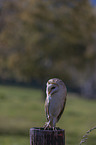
(55, 105)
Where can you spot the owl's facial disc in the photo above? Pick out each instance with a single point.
(52, 88)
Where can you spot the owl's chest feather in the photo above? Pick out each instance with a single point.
(55, 104)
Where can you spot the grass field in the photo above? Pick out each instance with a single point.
(23, 108)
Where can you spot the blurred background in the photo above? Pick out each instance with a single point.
(41, 40)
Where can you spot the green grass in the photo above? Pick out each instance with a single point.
(14, 140)
(23, 108)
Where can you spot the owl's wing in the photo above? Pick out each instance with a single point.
(58, 117)
(47, 109)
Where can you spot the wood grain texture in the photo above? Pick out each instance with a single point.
(39, 136)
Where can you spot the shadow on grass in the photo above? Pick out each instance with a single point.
(14, 132)
(3, 96)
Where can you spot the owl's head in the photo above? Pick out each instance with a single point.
(55, 85)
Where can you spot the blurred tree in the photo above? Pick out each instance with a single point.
(42, 39)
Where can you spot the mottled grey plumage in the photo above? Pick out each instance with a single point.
(55, 101)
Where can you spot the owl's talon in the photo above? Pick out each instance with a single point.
(47, 125)
(54, 128)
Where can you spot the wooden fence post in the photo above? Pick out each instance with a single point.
(39, 136)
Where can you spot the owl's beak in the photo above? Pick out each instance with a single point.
(49, 88)
(49, 91)
(52, 84)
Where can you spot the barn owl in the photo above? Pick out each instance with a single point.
(55, 101)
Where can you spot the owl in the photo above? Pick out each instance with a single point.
(55, 101)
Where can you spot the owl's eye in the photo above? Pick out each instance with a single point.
(52, 88)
